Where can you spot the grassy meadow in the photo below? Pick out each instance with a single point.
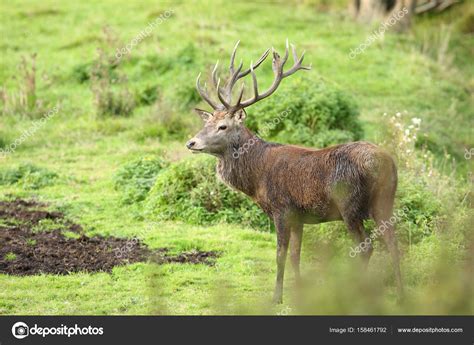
(112, 156)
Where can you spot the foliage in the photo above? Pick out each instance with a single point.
(111, 95)
(28, 176)
(10, 256)
(423, 194)
(136, 178)
(422, 209)
(396, 73)
(189, 191)
(23, 101)
(307, 112)
(147, 95)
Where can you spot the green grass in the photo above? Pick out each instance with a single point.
(86, 151)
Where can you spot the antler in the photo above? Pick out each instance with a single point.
(225, 94)
(235, 75)
(205, 95)
(277, 66)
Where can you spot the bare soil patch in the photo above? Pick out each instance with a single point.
(25, 250)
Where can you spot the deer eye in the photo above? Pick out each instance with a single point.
(222, 128)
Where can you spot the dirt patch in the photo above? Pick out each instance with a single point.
(26, 211)
(63, 248)
(192, 257)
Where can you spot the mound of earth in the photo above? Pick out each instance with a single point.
(25, 250)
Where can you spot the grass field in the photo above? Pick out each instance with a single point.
(409, 73)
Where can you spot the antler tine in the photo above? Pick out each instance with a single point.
(254, 79)
(235, 75)
(297, 66)
(214, 73)
(221, 98)
(246, 72)
(204, 94)
(258, 63)
(232, 58)
(231, 82)
(241, 93)
(225, 94)
(277, 66)
(293, 50)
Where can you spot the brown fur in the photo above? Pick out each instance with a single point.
(295, 185)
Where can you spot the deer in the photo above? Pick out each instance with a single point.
(295, 185)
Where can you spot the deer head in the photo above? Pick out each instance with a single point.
(224, 126)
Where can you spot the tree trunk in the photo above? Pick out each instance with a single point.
(397, 12)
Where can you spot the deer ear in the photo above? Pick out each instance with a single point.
(240, 115)
(205, 115)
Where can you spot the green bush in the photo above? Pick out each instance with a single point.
(189, 191)
(112, 101)
(136, 178)
(147, 95)
(422, 209)
(111, 94)
(29, 176)
(307, 112)
(154, 63)
(4, 140)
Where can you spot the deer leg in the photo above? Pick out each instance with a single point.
(382, 212)
(391, 243)
(383, 217)
(283, 237)
(361, 239)
(296, 236)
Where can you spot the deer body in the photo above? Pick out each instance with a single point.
(285, 178)
(295, 185)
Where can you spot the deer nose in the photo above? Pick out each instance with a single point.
(190, 144)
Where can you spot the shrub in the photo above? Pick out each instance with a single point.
(111, 95)
(4, 140)
(466, 23)
(307, 112)
(29, 176)
(423, 193)
(154, 63)
(82, 72)
(147, 95)
(136, 178)
(109, 87)
(110, 102)
(422, 209)
(24, 101)
(189, 191)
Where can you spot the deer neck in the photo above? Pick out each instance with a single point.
(240, 165)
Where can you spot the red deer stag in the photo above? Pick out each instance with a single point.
(296, 185)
